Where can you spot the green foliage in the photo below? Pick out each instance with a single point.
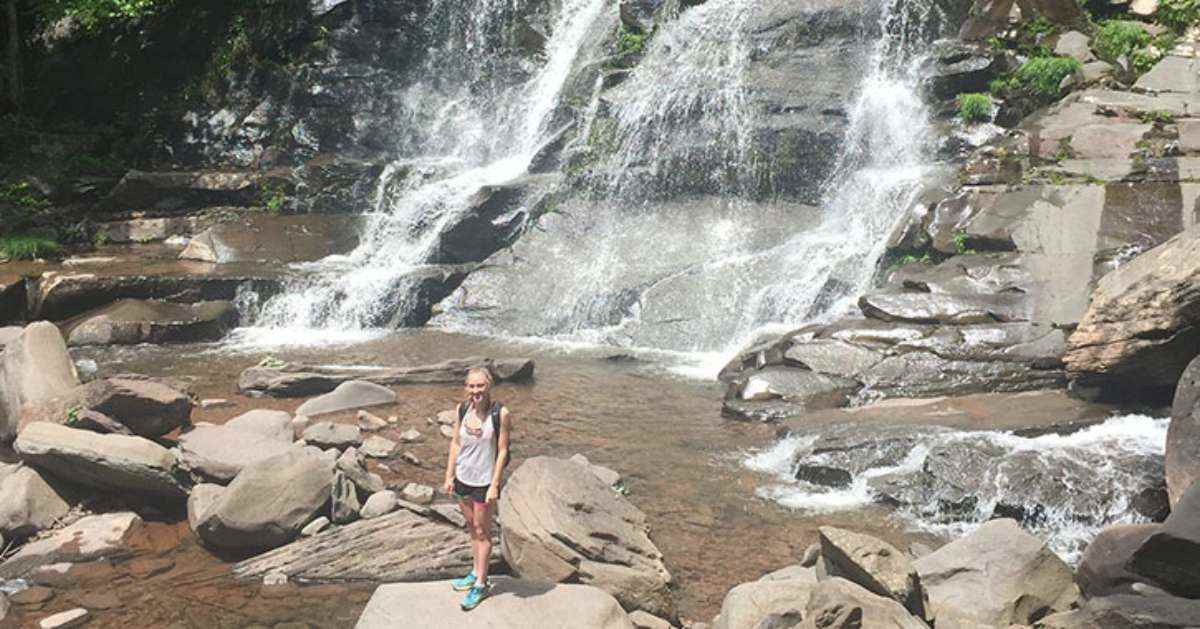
(974, 107)
(960, 243)
(1157, 115)
(1118, 37)
(1178, 15)
(1042, 75)
(95, 13)
(629, 41)
(1039, 26)
(273, 197)
(19, 207)
(26, 246)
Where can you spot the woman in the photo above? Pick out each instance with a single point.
(478, 453)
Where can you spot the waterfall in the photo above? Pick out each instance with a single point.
(471, 126)
(688, 233)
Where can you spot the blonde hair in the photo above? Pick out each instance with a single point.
(482, 371)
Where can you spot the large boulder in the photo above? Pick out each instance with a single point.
(873, 564)
(27, 502)
(1104, 568)
(218, 453)
(998, 575)
(563, 523)
(118, 463)
(1143, 324)
(34, 367)
(836, 602)
(348, 396)
(268, 502)
(399, 546)
(1128, 611)
(513, 604)
(1183, 436)
(148, 407)
(88, 539)
(1170, 555)
(748, 604)
(133, 321)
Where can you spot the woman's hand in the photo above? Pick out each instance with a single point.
(448, 486)
(492, 494)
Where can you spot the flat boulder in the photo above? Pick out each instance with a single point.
(268, 502)
(273, 425)
(1183, 436)
(562, 523)
(117, 463)
(28, 503)
(218, 453)
(1142, 326)
(997, 575)
(148, 407)
(398, 546)
(333, 435)
(88, 539)
(133, 321)
(513, 604)
(873, 564)
(34, 367)
(347, 396)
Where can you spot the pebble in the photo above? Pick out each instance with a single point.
(63, 620)
(410, 458)
(275, 578)
(411, 435)
(447, 432)
(215, 403)
(369, 422)
(314, 527)
(392, 419)
(379, 448)
(420, 494)
(446, 418)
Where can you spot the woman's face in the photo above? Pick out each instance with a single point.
(477, 388)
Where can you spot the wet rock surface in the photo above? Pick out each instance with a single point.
(132, 321)
(88, 539)
(1183, 437)
(251, 238)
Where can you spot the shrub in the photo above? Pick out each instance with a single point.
(26, 246)
(1115, 38)
(1042, 75)
(1178, 14)
(975, 107)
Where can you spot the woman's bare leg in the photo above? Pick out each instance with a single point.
(482, 539)
(468, 511)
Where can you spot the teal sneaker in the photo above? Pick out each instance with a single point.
(474, 597)
(462, 584)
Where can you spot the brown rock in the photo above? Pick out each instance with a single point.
(36, 595)
(1183, 437)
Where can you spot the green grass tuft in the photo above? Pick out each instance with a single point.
(1178, 15)
(26, 246)
(1116, 37)
(1042, 75)
(975, 107)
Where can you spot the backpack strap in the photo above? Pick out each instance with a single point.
(462, 410)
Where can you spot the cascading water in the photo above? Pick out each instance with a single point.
(1064, 487)
(687, 236)
(479, 128)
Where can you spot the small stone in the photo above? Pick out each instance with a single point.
(379, 447)
(330, 435)
(410, 458)
(215, 403)
(446, 418)
(378, 504)
(63, 620)
(35, 595)
(447, 432)
(643, 620)
(275, 578)
(410, 436)
(392, 419)
(314, 527)
(369, 422)
(420, 494)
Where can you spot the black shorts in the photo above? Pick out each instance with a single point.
(464, 491)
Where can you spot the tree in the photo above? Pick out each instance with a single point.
(13, 55)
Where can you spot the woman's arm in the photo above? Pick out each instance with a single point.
(501, 455)
(452, 457)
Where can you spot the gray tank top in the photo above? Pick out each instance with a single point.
(476, 454)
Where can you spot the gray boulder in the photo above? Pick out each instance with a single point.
(998, 575)
(1104, 568)
(838, 603)
(273, 425)
(200, 500)
(1128, 611)
(1170, 555)
(88, 539)
(378, 447)
(117, 463)
(1143, 324)
(331, 435)
(378, 504)
(748, 604)
(34, 367)
(133, 321)
(148, 407)
(218, 453)
(513, 604)
(348, 396)
(28, 503)
(353, 464)
(1183, 436)
(268, 502)
(562, 523)
(873, 564)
